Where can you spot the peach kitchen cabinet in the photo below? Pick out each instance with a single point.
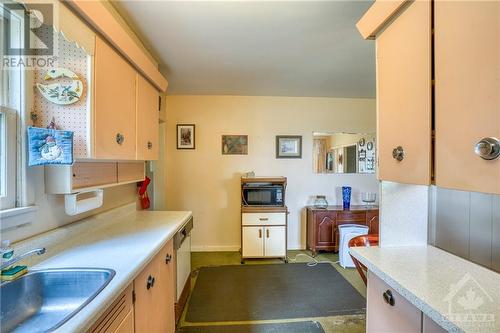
(114, 134)
(389, 312)
(402, 33)
(154, 294)
(147, 120)
(119, 317)
(467, 89)
(147, 305)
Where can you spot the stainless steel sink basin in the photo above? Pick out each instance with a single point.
(43, 300)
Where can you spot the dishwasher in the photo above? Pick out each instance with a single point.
(182, 246)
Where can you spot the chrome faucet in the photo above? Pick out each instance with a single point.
(12, 261)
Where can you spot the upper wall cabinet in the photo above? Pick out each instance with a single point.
(467, 88)
(114, 105)
(403, 55)
(466, 62)
(147, 117)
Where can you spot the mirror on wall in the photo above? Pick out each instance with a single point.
(343, 152)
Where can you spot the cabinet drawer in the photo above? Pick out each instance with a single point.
(263, 218)
(93, 174)
(130, 171)
(350, 216)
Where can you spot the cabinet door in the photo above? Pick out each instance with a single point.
(118, 317)
(325, 227)
(252, 241)
(167, 279)
(127, 325)
(403, 53)
(467, 70)
(275, 241)
(384, 317)
(149, 317)
(147, 114)
(114, 105)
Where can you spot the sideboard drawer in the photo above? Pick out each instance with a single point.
(351, 217)
(263, 218)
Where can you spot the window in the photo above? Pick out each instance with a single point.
(8, 157)
(11, 93)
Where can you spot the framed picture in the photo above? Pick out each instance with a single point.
(288, 146)
(235, 145)
(185, 136)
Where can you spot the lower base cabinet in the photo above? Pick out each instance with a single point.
(119, 316)
(389, 312)
(263, 234)
(147, 305)
(260, 242)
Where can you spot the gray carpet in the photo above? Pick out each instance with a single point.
(299, 327)
(265, 292)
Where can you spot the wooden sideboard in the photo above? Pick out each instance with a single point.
(322, 225)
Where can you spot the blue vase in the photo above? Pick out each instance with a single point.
(346, 197)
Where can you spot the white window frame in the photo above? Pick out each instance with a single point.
(8, 152)
(20, 195)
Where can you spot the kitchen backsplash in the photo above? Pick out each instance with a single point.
(466, 224)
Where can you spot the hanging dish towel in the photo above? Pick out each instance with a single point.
(49, 146)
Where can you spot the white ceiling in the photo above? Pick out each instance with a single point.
(273, 48)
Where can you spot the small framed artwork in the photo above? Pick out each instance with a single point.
(185, 136)
(288, 146)
(235, 145)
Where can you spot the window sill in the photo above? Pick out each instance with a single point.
(12, 218)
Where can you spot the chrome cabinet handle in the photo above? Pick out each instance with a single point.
(150, 145)
(120, 138)
(150, 283)
(388, 298)
(168, 258)
(488, 148)
(398, 153)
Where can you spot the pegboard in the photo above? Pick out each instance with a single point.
(73, 117)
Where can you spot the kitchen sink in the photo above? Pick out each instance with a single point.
(43, 300)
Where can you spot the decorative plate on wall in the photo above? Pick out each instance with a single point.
(62, 93)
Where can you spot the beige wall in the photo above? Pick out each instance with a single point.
(206, 182)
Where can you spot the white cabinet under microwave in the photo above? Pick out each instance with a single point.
(263, 235)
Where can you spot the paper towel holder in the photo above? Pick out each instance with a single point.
(73, 206)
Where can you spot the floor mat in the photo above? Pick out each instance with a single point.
(298, 327)
(265, 292)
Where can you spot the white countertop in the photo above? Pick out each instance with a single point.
(436, 281)
(124, 241)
